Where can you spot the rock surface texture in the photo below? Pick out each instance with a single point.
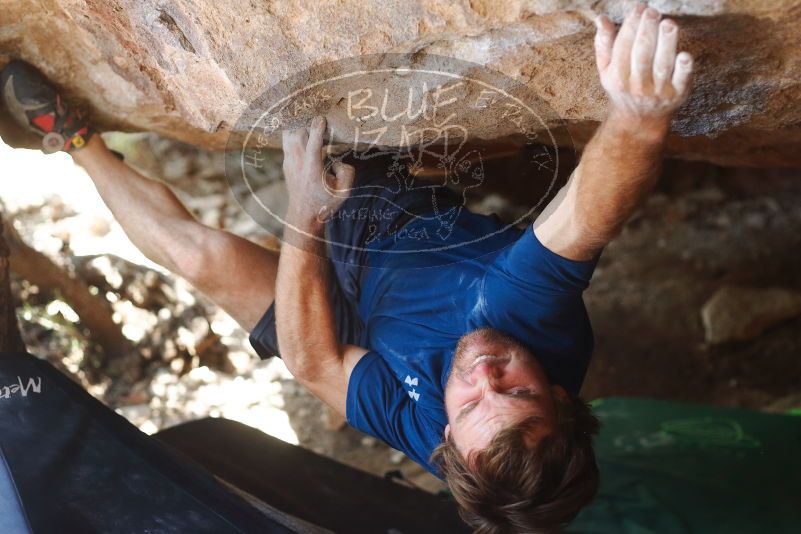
(188, 68)
(742, 313)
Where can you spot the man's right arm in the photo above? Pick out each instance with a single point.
(305, 323)
(646, 81)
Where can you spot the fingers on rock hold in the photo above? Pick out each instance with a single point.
(621, 52)
(682, 72)
(604, 41)
(294, 138)
(665, 55)
(316, 132)
(644, 48)
(343, 171)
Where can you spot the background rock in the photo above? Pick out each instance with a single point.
(741, 313)
(188, 68)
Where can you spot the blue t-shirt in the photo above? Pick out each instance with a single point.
(416, 306)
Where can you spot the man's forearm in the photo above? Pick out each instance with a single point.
(619, 167)
(307, 333)
(646, 81)
(304, 320)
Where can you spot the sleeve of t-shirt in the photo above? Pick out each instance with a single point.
(535, 295)
(378, 405)
(531, 264)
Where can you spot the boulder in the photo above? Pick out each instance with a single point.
(742, 313)
(189, 68)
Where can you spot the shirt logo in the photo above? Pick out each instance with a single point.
(412, 382)
(34, 386)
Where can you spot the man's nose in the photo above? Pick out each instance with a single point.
(485, 373)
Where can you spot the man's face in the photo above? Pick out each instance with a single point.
(494, 383)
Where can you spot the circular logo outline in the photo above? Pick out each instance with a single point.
(401, 71)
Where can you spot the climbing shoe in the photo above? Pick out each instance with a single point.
(36, 105)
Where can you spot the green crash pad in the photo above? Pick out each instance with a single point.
(669, 467)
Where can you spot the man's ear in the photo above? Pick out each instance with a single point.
(560, 394)
(447, 430)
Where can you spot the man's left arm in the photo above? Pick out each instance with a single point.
(304, 320)
(646, 81)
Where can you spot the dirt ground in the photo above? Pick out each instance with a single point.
(704, 227)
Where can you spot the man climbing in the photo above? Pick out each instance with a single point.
(470, 359)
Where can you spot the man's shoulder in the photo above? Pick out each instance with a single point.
(404, 411)
(418, 373)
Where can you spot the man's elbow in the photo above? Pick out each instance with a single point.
(307, 366)
(298, 363)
